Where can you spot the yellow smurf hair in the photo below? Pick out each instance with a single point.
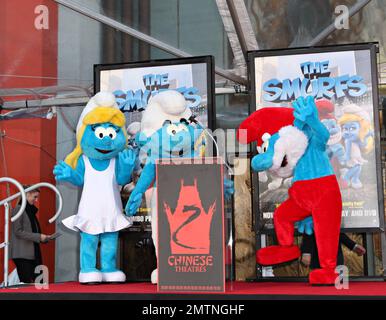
(365, 128)
(95, 116)
(200, 144)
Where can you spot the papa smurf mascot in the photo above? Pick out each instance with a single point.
(168, 130)
(100, 163)
(295, 143)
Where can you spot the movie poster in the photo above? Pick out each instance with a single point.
(342, 84)
(190, 226)
(134, 84)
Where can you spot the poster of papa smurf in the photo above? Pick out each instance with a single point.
(343, 82)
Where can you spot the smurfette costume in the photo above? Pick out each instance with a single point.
(100, 207)
(100, 215)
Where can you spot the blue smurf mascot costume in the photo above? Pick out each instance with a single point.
(165, 111)
(100, 163)
(168, 131)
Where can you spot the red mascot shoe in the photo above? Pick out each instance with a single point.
(322, 277)
(277, 254)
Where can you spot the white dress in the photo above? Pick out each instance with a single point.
(100, 207)
(356, 156)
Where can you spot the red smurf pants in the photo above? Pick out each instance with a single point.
(320, 198)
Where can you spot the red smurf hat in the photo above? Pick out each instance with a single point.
(266, 120)
(325, 109)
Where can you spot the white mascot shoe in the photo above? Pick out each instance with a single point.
(90, 277)
(356, 185)
(115, 276)
(154, 276)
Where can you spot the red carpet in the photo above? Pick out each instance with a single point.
(237, 288)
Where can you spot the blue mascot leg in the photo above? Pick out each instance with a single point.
(349, 175)
(88, 251)
(109, 247)
(356, 182)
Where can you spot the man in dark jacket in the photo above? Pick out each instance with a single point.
(310, 252)
(25, 240)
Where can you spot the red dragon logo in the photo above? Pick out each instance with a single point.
(189, 223)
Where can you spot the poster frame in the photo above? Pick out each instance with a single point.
(210, 77)
(373, 49)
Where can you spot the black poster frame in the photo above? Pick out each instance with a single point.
(373, 49)
(210, 78)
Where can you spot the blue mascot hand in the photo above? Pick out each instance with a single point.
(62, 171)
(127, 157)
(229, 188)
(306, 226)
(133, 203)
(304, 108)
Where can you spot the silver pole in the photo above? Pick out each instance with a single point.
(21, 193)
(35, 186)
(70, 102)
(5, 203)
(331, 28)
(50, 102)
(243, 26)
(143, 37)
(52, 187)
(6, 244)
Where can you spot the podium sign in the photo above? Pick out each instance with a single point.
(190, 225)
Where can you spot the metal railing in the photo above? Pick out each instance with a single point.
(22, 192)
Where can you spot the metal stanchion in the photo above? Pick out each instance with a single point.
(5, 203)
(34, 187)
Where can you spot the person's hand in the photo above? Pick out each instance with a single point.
(306, 259)
(133, 203)
(359, 250)
(43, 237)
(62, 171)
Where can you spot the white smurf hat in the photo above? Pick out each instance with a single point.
(166, 105)
(133, 128)
(100, 108)
(355, 109)
(101, 99)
